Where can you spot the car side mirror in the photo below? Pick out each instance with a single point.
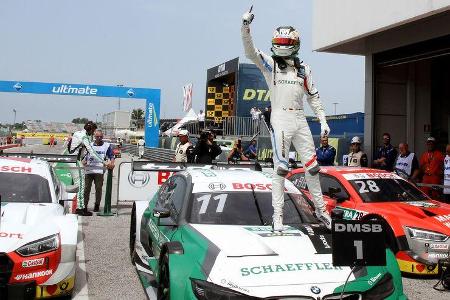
(161, 212)
(337, 214)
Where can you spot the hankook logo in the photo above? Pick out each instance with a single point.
(214, 186)
(138, 179)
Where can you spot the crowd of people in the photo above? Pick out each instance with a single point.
(431, 168)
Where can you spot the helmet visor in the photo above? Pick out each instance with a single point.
(284, 41)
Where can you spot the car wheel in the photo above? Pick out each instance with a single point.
(133, 234)
(164, 279)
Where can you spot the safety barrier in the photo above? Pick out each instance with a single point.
(154, 154)
(241, 126)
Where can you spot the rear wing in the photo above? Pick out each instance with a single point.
(63, 158)
(153, 166)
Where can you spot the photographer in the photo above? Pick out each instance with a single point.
(206, 149)
(237, 153)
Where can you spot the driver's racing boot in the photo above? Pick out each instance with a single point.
(324, 217)
(277, 223)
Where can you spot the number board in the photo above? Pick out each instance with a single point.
(219, 103)
(358, 243)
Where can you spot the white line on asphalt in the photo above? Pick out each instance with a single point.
(81, 285)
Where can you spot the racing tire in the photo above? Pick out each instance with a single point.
(164, 279)
(133, 234)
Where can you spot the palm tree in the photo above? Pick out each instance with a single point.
(137, 118)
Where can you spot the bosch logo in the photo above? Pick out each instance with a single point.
(130, 93)
(315, 290)
(138, 179)
(214, 186)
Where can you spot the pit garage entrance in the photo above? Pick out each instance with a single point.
(412, 93)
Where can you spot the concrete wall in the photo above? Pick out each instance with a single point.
(339, 22)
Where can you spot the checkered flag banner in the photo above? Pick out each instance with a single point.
(187, 97)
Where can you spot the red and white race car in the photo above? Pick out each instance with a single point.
(38, 239)
(419, 227)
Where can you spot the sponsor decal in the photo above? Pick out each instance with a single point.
(294, 267)
(16, 169)
(324, 241)
(374, 279)
(444, 219)
(350, 214)
(358, 227)
(421, 204)
(315, 290)
(292, 82)
(215, 186)
(11, 235)
(150, 115)
(232, 285)
(437, 246)
(33, 263)
(250, 186)
(138, 179)
(33, 275)
(438, 255)
(17, 86)
(130, 93)
(68, 89)
(354, 176)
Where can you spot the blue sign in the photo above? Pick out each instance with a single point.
(152, 97)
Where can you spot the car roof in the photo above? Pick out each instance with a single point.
(241, 179)
(350, 170)
(24, 165)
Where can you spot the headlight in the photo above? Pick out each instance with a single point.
(46, 244)
(204, 290)
(426, 235)
(381, 290)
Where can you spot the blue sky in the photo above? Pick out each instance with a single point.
(149, 43)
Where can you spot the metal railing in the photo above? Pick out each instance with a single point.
(154, 154)
(241, 126)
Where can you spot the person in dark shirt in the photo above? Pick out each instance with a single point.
(325, 153)
(206, 149)
(386, 155)
(251, 150)
(266, 116)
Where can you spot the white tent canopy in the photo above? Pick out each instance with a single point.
(190, 116)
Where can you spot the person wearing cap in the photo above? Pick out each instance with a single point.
(385, 155)
(431, 165)
(356, 157)
(183, 148)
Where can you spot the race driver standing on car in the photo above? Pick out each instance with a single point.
(81, 141)
(289, 80)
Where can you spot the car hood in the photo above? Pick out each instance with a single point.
(432, 215)
(255, 261)
(22, 223)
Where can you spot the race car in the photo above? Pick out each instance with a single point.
(38, 238)
(206, 234)
(418, 227)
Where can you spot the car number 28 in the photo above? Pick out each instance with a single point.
(222, 198)
(367, 186)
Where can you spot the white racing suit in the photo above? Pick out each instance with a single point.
(82, 142)
(287, 88)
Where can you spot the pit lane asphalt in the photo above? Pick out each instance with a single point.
(109, 272)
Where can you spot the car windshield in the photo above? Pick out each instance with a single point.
(246, 208)
(387, 190)
(28, 188)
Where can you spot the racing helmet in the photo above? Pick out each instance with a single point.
(285, 41)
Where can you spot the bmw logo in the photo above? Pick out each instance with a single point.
(18, 86)
(315, 290)
(130, 92)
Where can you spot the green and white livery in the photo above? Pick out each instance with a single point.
(210, 237)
